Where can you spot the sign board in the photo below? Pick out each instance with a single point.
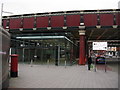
(99, 45)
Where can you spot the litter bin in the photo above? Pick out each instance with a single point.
(14, 65)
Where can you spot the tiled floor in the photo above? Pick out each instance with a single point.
(42, 76)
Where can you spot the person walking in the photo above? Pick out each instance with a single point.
(89, 62)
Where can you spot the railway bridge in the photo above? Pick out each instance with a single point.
(66, 34)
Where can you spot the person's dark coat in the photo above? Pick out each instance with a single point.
(89, 60)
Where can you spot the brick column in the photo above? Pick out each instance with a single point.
(82, 48)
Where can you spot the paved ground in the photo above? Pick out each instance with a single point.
(42, 76)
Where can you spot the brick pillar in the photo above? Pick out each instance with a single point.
(82, 54)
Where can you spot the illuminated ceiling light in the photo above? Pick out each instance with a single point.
(115, 26)
(34, 28)
(48, 28)
(64, 27)
(81, 26)
(7, 27)
(51, 45)
(21, 29)
(98, 26)
(21, 45)
(38, 44)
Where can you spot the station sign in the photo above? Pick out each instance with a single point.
(99, 45)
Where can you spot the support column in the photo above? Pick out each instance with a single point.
(23, 51)
(82, 46)
(58, 54)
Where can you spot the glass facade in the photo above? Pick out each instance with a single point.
(52, 50)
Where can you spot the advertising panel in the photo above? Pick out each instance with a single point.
(99, 45)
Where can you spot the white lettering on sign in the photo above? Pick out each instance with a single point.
(99, 45)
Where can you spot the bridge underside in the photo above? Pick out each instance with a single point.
(101, 34)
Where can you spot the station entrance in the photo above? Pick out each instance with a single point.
(57, 34)
(45, 49)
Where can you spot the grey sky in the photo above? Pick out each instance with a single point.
(39, 6)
